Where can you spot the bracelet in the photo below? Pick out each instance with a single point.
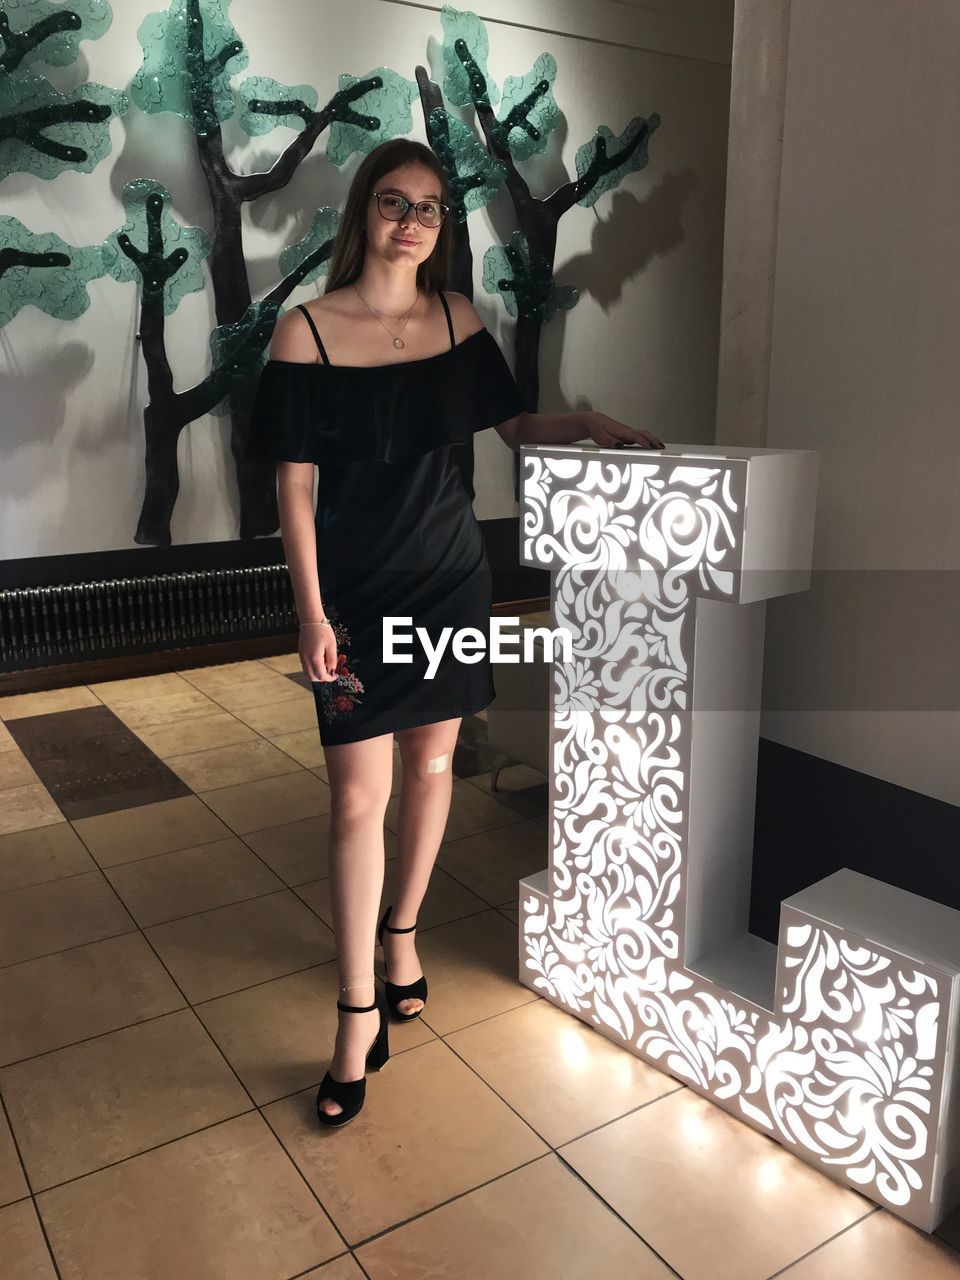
(324, 622)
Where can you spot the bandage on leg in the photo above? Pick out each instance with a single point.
(438, 764)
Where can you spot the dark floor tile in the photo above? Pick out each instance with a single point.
(473, 754)
(91, 763)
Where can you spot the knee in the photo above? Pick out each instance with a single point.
(356, 803)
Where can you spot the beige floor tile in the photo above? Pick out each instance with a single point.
(683, 1160)
(195, 733)
(223, 1204)
(224, 674)
(491, 863)
(234, 947)
(16, 770)
(115, 692)
(471, 967)
(304, 746)
(44, 701)
(284, 662)
(429, 1129)
(112, 1097)
(470, 811)
(171, 885)
(882, 1247)
(147, 829)
(166, 710)
(539, 1222)
(560, 1074)
(13, 1185)
(445, 899)
(251, 806)
(7, 740)
(240, 695)
(299, 851)
(296, 851)
(343, 1268)
(41, 853)
(279, 1036)
(86, 991)
(24, 807)
(289, 716)
(44, 918)
(25, 1253)
(229, 766)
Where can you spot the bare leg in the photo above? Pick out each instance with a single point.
(426, 752)
(361, 775)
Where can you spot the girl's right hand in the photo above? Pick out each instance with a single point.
(318, 653)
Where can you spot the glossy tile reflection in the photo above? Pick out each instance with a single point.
(168, 987)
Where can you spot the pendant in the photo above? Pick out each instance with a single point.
(398, 342)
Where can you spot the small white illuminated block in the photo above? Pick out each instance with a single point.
(841, 1042)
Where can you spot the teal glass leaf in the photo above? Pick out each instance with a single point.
(43, 271)
(473, 174)
(265, 104)
(524, 281)
(308, 258)
(187, 51)
(161, 254)
(38, 31)
(465, 52)
(361, 122)
(44, 132)
(238, 353)
(606, 159)
(529, 112)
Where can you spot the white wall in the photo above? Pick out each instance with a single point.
(864, 366)
(640, 345)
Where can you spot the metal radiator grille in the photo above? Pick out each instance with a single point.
(128, 615)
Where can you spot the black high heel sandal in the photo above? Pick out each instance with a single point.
(394, 991)
(350, 1094)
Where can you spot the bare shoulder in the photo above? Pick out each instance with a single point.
(293, 338)
(464, 315)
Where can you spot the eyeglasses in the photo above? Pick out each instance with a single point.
(430, 213)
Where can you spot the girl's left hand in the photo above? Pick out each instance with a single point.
(610, 432)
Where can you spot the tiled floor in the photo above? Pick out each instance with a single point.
(167, 989)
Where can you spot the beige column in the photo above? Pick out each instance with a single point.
(757, 91)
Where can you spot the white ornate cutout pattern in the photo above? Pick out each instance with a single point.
(848, 1069)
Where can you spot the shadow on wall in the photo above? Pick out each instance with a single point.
(41, 389)
(622, 246)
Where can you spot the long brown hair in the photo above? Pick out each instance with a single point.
(349, 246)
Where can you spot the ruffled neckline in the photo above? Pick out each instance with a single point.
(376, 368)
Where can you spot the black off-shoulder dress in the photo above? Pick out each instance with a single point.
(396, 531)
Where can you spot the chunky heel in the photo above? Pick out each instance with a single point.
(396, 992)
(350, 1094)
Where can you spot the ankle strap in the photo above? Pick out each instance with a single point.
(390, 929)
(356, 1008)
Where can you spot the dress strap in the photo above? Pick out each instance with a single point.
(301, 307)
(447, 312)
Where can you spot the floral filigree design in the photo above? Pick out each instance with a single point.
(845, 1070)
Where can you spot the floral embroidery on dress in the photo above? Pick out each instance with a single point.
(342, 694)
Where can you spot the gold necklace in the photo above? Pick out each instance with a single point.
(397, 340)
